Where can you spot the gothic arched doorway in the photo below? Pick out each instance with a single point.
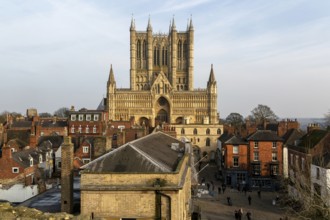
(162, 109)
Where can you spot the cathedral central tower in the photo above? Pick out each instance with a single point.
(171, 54)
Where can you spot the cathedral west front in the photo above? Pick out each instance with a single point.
(161, 87)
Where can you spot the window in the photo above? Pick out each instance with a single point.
(256, 156)
(85, 149)
(235, 149)
(42, 133)
(40, 158)
(73, 117)
(96, 117)
(219, 131)
(256, 169)
(72, 129)
(235, 161)
(195, 131)
(59, 164)
(256, 144)
(12, 150)
(31, 162)
(208, 142)
(182, 131)
(88, 117)
(86, 161)
(208, 131)
(80, 117)
(274, 144)
(15, 169)
(317, 173)
(274, 156)
(87, 129)
(274, 170)
(94, 129)
(79, 129)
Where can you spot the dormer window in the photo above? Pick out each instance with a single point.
(31, 161)
(88, 117)
(96, 117)
(15, 170)
(73, 117)
(12, 150)
(85, 149)
(80, 117)
(40, 158)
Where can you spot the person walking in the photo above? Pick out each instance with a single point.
(259, 194)
(229, 201)
(248, 215)
(249, 199)
(219, 190)
(223, 188)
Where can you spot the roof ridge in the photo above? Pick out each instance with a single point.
(159, 164)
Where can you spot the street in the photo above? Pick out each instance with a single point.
(216, 207)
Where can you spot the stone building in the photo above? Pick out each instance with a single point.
(149, 178)
(162, 88)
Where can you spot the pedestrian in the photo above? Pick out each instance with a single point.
(249, 198)
(219, 190)
(223, 188)
(259, 193)
(236, 214)
(229, 201)
(208, 186)
(248, 215)
(240, 213)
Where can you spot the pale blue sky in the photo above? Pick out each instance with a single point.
(58, 53)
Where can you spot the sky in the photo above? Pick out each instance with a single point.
(56, 53)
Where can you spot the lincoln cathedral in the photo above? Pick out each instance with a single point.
(162, 87)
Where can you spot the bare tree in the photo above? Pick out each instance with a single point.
(327, 119)
(304, 198)
(62, 112)
(262, 114)
(45, 115)
(236, 120)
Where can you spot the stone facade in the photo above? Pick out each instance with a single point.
(148, 194)
(161, 86)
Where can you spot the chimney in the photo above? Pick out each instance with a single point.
(67, 176)
(313, 126)
(6, 152)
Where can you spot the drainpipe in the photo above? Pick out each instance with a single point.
(159, 205)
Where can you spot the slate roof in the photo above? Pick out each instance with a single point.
(323, 161)
(264, 135)
(22, 135)
(312, 138)
(149, 154)
(225, 137)
(21, 124)
(55, 140)
(51, 124)
(236, 140)
(23, 157)
(291, 136)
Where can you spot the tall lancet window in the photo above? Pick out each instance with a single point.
(138, 49)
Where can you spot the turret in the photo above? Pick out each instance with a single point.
(111, 94)
(212, 91)
(133, 54)
(173, 53)
(111, 81)
(149, 48)
(191, 56)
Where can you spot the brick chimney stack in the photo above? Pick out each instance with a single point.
(67, 176)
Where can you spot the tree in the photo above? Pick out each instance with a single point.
(45, 115)
(14, 115)
(262, 114)
(62, 112)
(236, 120)
(327, 119)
